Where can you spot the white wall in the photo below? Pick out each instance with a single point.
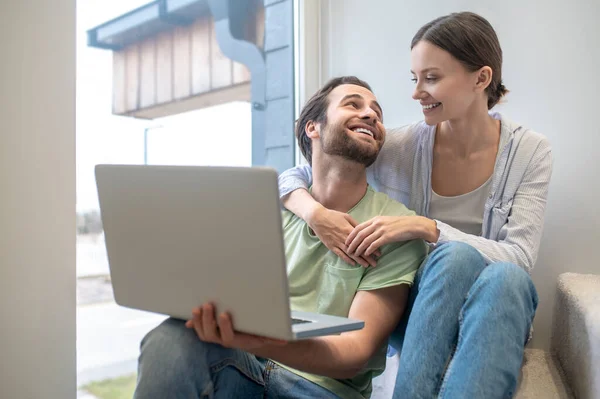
(551, 64)
(37, 199)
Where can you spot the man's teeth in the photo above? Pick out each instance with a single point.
(430, 106)
(362, 130)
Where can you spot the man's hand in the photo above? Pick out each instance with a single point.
(221, 332)
(332, 228)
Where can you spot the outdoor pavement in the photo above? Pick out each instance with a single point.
(108, 335)
(108, 340)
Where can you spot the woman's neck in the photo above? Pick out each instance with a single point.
(474, 132)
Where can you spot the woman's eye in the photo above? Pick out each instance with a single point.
(414, 80)
(431, 78)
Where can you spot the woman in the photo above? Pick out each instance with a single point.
(479, 183)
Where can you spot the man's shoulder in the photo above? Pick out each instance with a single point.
(385, 205)
(288, 217)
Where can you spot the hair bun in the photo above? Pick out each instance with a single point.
(501, 89)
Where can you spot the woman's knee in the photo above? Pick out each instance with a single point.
(509, 280)
(456, 258)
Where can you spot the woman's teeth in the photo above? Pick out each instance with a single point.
(431, 106)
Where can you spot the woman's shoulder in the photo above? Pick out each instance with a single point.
(394, 168)
(527, 145)
(412, 132)
(536, 140)
(524, 137)
(406, 139)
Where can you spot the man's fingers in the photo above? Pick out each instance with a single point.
(226, 329)
(209, 324)
(197, 323)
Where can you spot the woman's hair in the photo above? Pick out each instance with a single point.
(471, 39)
(315, 110)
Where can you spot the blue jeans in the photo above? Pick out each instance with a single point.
(465, 328)
(175, 364)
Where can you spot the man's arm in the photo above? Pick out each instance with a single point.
(340, 356)
(345, 355)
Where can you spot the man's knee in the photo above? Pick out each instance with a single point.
(170, 343)
(171, 359)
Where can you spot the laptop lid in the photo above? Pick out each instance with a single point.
(180, 236)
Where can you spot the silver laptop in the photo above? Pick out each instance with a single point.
(180, 236)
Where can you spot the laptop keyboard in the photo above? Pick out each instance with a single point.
(299, 321)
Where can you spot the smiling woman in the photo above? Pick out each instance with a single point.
(461, 153)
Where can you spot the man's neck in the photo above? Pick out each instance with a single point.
(338, 184)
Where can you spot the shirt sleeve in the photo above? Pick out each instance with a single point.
(294, 178)
(397, 265)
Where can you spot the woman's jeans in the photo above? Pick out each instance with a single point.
(465, 327)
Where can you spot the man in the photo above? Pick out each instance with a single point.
(340, 132)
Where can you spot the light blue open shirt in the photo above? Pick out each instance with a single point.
(513, 218)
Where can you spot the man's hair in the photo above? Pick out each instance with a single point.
(316, 110)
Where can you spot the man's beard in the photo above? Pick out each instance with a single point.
(337, 142)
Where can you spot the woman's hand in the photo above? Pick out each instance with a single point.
(332, 228)
(368, 237)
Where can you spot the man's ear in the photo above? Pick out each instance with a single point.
(313, 130)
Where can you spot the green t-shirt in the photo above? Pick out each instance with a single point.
(321, 282)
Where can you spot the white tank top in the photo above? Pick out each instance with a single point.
(463, 212)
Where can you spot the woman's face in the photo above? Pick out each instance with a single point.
(445, 89)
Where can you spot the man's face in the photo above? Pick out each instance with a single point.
(354, 128)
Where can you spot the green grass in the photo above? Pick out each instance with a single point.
(116, 388)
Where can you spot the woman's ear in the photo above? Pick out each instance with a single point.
(484, 78)
(313, 130)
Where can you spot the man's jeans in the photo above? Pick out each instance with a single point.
(465, 334)
(175, 364)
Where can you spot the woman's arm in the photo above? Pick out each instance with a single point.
(294, 179)
(517, 241)
(332, 227)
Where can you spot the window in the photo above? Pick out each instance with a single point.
(205, 118)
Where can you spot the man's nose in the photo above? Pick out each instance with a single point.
(369, 114)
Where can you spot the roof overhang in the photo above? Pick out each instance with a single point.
(146, 21)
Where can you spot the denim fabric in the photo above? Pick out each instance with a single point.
(465, 328)
(175, 364)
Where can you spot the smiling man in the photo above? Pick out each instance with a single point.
(340, 133)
